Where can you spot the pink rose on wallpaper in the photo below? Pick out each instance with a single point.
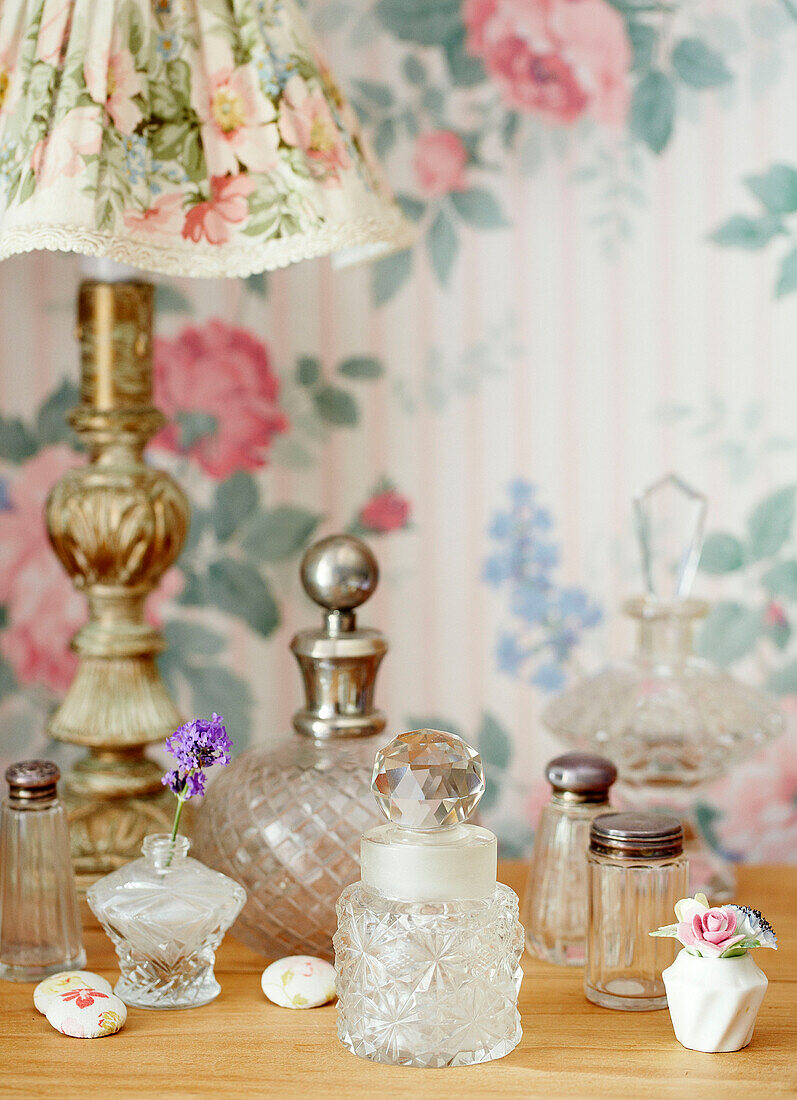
(43, 608)
(307, 123)
(386, 511)
(227, 206)
(113, 81)
(439, 162)
(558, 58)
(224, 373)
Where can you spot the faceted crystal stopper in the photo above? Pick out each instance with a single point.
(427, 779)
(670, 518)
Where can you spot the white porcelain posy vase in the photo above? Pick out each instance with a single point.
(714, 1002)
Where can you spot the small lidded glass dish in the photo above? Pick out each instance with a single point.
(555, 903)
(637, 872)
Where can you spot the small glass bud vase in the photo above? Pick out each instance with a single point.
(166, 915)
(428, 946)
(555, 903)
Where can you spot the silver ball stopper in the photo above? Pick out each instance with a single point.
(339, 572)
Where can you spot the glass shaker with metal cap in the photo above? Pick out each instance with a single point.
(637, 872)
(40, 930)
(555, 903)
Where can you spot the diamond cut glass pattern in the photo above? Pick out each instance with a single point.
(428, 985)
(427, 779)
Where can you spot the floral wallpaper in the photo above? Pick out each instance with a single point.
(605, 193)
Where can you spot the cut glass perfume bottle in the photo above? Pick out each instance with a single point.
(670, 721)
(286, 822)
(428, 946)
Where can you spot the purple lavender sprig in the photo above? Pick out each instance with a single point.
(196, 746)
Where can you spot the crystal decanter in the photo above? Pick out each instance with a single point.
(428, 946)
(286, 822)
(669, 720)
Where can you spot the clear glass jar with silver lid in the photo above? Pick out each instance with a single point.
(555, 903)
(637, 872)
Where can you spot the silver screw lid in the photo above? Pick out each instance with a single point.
(32, 780)
(581, 776)
(634, 835)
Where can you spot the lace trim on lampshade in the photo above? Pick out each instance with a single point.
(350, 242)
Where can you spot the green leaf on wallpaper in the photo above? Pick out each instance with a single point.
(192, 638)
(783, 681)
(361, 366)
(3, 616)
(336, 406)
(427, 23)
(389, 275)
(233, 501)
(707, 817)
(465, 69)
(779, 631)
(478, 207)
(442, 244)
(194, 426)
(729, 632)
(413, 208)
(308, 370)
(770, 524)
(214, 688)
(643, 39)
(776, 189)
(237, 588)
(168, 299)
(194, 593)
(787, 275)
(781, 580)
(743, 232)
(494, 744)
(8, 681)
(653, 110)
(288, 451)
(722, 553)
(380, 95)
(16, 442)
(414, 70)
(258, 284)
(384, 137)
(51, 422)
(698, 65)
(280, 533)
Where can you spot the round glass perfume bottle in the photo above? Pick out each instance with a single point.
(286, 822)
(671, 721)
(428, 946)
(554, 909)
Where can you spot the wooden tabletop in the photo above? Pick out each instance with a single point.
(241, 1045)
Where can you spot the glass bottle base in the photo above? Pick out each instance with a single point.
(628, 996)
(18, 973)
(166, 997)
(398, 1057)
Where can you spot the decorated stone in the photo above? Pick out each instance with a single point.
(86, 1013)
(66, 980)
(299, 981)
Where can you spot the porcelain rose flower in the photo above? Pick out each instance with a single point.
(718, 932)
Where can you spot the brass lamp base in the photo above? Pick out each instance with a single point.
(117, 525)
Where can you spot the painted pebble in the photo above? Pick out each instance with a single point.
(299, 981)
(86, 1013)
(66, 980)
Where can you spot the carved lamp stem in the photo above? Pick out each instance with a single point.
(117, 525)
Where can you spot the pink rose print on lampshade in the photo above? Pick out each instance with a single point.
(227, 206)
(113, 81)
(562, 59)
(439, 162)
(307, 123)
(385, 511)
(217, 384)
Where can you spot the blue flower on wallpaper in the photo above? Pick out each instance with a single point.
(547, 620)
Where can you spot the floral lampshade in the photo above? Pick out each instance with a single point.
(188, 137)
